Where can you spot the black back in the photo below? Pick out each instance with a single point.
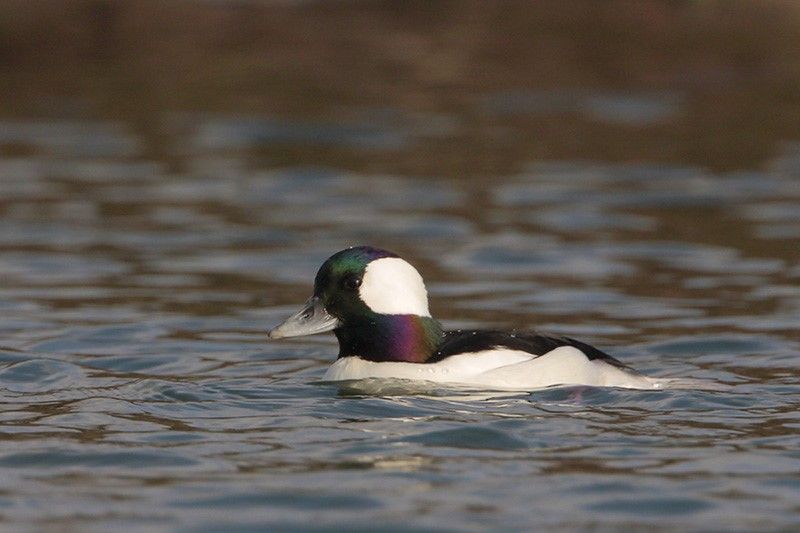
(465, 341)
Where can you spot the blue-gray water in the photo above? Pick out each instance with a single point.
(139, 390)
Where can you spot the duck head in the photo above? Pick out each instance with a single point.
(376, 304)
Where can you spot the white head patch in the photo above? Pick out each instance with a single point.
(393, 287)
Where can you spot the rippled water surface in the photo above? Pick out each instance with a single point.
(172, 174)
(139, 390)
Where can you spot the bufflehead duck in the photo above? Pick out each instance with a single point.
(377, 306)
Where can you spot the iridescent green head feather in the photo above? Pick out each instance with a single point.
(376, 304)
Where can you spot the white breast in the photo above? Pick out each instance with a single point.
(498, 370)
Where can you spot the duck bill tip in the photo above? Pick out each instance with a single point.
(274, 333)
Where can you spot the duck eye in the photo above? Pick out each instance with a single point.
(351, 282)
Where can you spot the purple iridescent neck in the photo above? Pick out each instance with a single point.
(402, 338)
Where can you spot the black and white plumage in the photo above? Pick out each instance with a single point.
(377, 305)
(470, 341)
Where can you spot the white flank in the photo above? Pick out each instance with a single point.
(393, 287)
(499, 369)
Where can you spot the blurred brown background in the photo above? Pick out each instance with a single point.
(481, 88)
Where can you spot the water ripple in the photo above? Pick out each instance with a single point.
(139, 390)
